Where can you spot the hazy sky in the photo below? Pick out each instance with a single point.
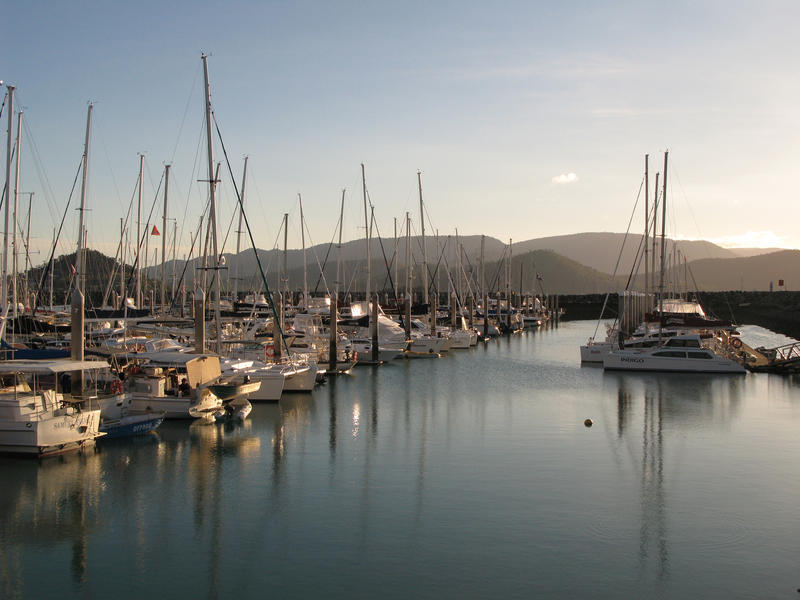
(527, 119)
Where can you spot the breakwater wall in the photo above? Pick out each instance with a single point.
(777, 311)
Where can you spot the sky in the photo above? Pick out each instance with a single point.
(526, 119)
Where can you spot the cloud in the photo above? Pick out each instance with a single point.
(565, 178)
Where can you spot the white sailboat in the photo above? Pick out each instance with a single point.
(679, 353)
(270, 376)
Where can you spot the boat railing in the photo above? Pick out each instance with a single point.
(787, 352)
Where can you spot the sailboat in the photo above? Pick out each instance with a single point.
(684, 353)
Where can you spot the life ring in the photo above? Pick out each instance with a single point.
(269, 351)
(736, 343)
(116, 387)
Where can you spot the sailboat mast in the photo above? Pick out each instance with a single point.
(409, 268)
(77, 301)
(425, 298)
(396, 260)
(28, 263)
(508, 283)
(16, 208)
(646, 230)
(79, 259)
(339, 248)
(139, 236)
(285, 253)
(655, 232)
(122, 255)
(239, 234)
(458, 267)
(52, 261)
(303, 242)
(484, 295)
(9, 136)
(483, 278)
(212, 190)
(663, 231)
(174, 243)
(164, 241)
(366, 232)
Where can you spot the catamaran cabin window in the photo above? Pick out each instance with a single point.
(677, 342)
(699, 355)
(670, 354)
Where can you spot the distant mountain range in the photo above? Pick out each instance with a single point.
(745, 273)
(577, 263)
(601, 250)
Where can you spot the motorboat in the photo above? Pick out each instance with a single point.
(117, 417)
(39, 420)
(130, 424)
(153, 383)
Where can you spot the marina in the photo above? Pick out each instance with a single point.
(466, 477)
(421, 301)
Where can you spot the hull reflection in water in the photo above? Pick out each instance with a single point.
(471, 476)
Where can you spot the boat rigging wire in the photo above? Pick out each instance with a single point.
(58, 235)
(277, 324)
(619, 257)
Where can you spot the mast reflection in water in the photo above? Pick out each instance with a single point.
(471, 476)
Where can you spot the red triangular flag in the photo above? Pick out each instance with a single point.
(155, 231)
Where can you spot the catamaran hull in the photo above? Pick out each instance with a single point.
(594, 353)
(620, 361)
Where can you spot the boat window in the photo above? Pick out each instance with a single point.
(683, 343)
(670, 354)
(699, 355)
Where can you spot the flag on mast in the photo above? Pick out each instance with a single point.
(155, 231)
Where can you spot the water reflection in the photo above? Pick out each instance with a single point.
(693, 399)
(411, 473)
(332, 419)
(52, 502)
(647, 403)
(71, 499)
(652, 532)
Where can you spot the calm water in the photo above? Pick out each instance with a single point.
(472, 476)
